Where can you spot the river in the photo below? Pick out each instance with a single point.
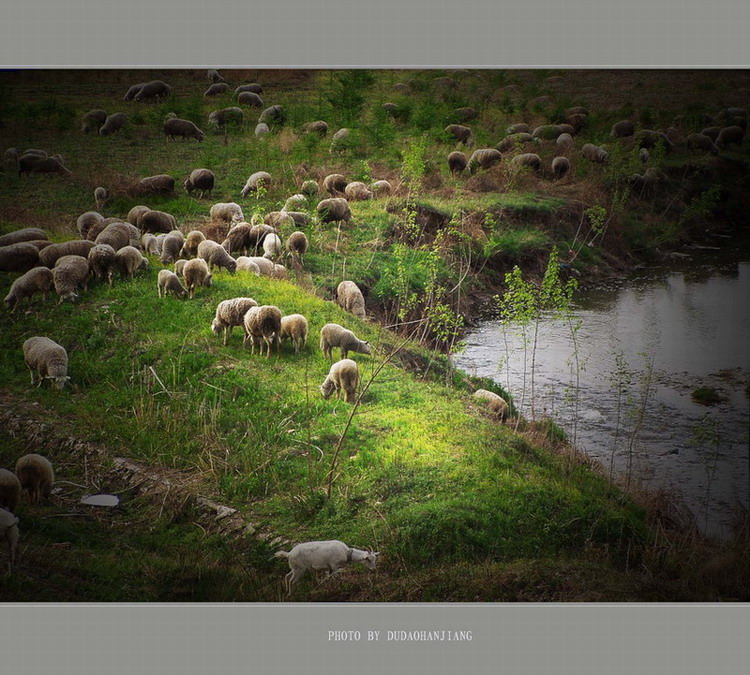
(645, 343)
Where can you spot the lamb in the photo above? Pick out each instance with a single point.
(527, 160)
(69, 273)
(153, 90)
(560, 167)
(250, 98)
(46, 360)
(256, 180)
(271, 245)
(335, 184)
(217, 89)
(730, 135)
(460, 133)
(113, 124)
(309, 188)
(129, 260)
(261, 129)
(294, 202)
(294, 328)
(193, 239)
(333, 335)
(457, 162)
(116, 235)
(495, 403)
(93, 120)
(343, 376)
(334, 210)
(200, 180)
(263, 322)
(622, 129)
(357, 191)
(322, 555)
(102, 262)
(226, 212)
(36, 476)
(214, 77)
(216, 256)
(273, 114)
(10, 490)
(318, 127)
(19, 257)
(483, 158)
(9, 532)
(253, 87)
(381, 187)
(171, 247)
(297, 245)
(701, 142)
(130, 95)
(157, 221)
(136, 214)
(253, 265)
(195, 272)
(595, 154)
(220, 118)
(161, 184)
(350, 298)
(514, 141)
(37, 164)
(230, 313)
(168, 282)
(36, 280)
(23, 235)
(51, 254)
(184, 128)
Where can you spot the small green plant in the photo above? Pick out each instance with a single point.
(706, 396)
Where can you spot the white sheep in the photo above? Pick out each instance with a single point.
(256, 180)
(36, 476)
(230, 313)
(323, 555)
(357, 191)
(200, 180)
(148, 242)
(334, 210)
(9, 532)
(226, 212)
(196, 274)
(24, 235)
(256, 264)
(333, 335)
(36, 280)
(560, 166)
(100, 197)
(495, 403)
(279, 272)
(216, 256)
(264, 323)
(244, 264)
(171, 246)
(46, 360)
(294, 327)
(309, 188)
(381, 187)
(261, 129)
(129, 261)
(192, 241)
(136, 213)
(70, 273)
(335, 184)
(294, 202)
(102, 260)
(297, 244)
(350, 298)
(271, 245)
(10, 490)
(343, 376)
(168, 282)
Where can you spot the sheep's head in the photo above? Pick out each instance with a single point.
(215, 327)
(371, 559)
(58, 381)
(364, 347)
(10, 302)
(208, 281)
(327, 388)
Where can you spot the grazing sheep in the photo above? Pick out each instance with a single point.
(483, 158)
(226, 212)
(100, 197)
(148, 242)
(46, 360)
(193, 239)
(264, 323)
(240, 239)
(318, 127)
(299, 217)
(527, 160)
(230, 313)
(459, 133)
(334, 210)
(184, 128)
(701, 142)
(294, 328)
(9, 533)
(253, 87)
(335, 184)
(646, 138)
(161, 184)
(560, 167)
(131, 93)
(214, 77)
(37, 164)
(36, 476)
(19, 257)
(333, 335)
(261, 129)
(297, 244)
(730, 135)
(643, 155)
(129, 261)
(279, 272)
(294, 202)
(39, 243)
(309, 188)
(258, 233)
(217, 89)
(567, 129)
(216, 256)
(495, 403)
(36, 280)
(547, 132)
(343, 376)
(255, 265)
(157, 221)
(466, 114)
(116, 235)
(50, 254)
(167, 282)
(457, 162)
(200, 180)
(113, 124)
(153, 90)
(564, 141)
(24, 235)
(520, 128)
(594, 154)
(271, 245)
(323, 555)
(93, 120)
(10, 488)
(576, 110)
(381, 187)
(357, 191)
(349, 297)
(712, 132)
(401, 87)
(179, 266)
(136, 213)
(250, 98)
(515, 141)
(171, 246)
(195, 273)
(273, 114)
(622, 129)
(102, 262)
(390, 108)
(256, 180)
(220, 118)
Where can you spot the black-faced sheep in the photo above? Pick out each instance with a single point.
(9, 534)
(19, 257)
(334, 210)
(36, 280)
(161, 184)
(335, 184)
(46, 360)
(343, 376)
(357, 191)
(250, 98)
(24, 235)
(154, 90)
(495, 403)
(333, 335)
(263, 323)
(200, 180)
(294, 328)
(93, 120)
(350, 298)
(217, 89)
(256, 180)
(195, 272)
(167, 282)
(129, 261)
(216, 256)
(484, 158)
(230, 313)
(113, 124)
(10, 488)
(102, 262)
(36, 476)
(183, 128)
(457, 162)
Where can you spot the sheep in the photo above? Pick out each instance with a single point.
(466, 114)
(279, 272)
(258, 233)
(271, 245)
(46, 360)
(200, 180)
(457, 162)
(495, 403)
(547, 132)
(226, 212)
(483, 158)
(130, 95)
(294, 328)
(36, 280)
(217, 89)
(333, 335)
(153, 90)
(560, 167)
(401, 87)
(36, 164)
(297, 244)
(230, 313)
(39, 243)
(263, 322)
(711, 132)
(129, 260)
(357, 191)
(278, 219)
(171, 247)
(167, 282)
(527, 160)
(567, 129)
(50, 254)
(564, 141)
(179, 266)
(113, 124)
(102, 262)
(349, 297)
(255, 265)
(520, 128)
(240, 238)
(295, 201)
(193, 239)
(216, 256)
(19, 257)
(195, 273)
(10, 490)
(514, 141)
(69, 273)
(390, 108)
(253, 87)
(220, 118)
(161, 184)
(136, 214)
(334, 210)
(730, 135)
(250, 98)
(595, 154)
(24, 235)
(343, 376)
(93, 120)
(184, 128)
(335, 184)
(158, 242)
(9, 532)
(309, 188)
(460, 133)
(643, 155)
(318, 127)
(100, 197)
(381, 187)
(36, 476)
(701, 142)
(214, 77)
(622, 129)
(256, 180)
(116, 235)
(261, 129)
(157, 221)
(273, 114)
(646, 138)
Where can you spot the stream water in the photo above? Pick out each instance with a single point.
(645, 343)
